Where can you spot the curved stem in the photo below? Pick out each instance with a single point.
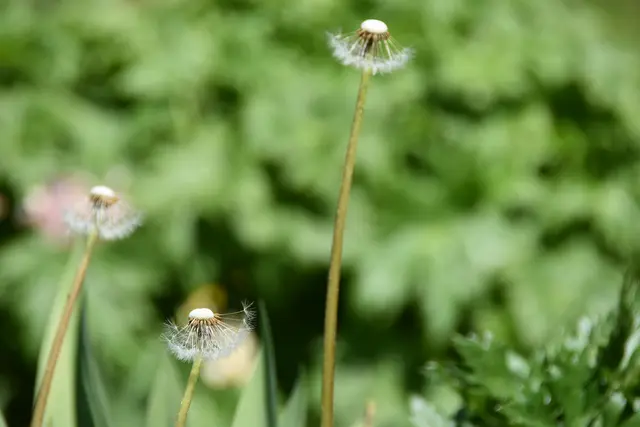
(335, 266)
(56, 346)
(188, 392)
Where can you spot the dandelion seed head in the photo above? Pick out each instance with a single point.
(371, 47)
(201, 313)
(209, 335)
(374, 26)
(102, 191)
(105, 211)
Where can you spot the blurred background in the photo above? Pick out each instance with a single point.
(496, 186)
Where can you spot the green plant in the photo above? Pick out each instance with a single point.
(588, 378)
(61, 330)
(370, 49)
(91, 403)
(207, 336)
(102, 215)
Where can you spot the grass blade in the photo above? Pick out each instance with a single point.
(295, 411)
(166, 392)
(271, 378)
(3, 423)
(61, 408)
(93, 403)
(258, 402)
(252, 410)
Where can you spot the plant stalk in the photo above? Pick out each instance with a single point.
(335, 266)
(56, 346)
(369, 414)
(188, 392)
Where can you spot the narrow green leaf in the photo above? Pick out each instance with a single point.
(61, 410)
(271, 378)
(252, 410)
(166, 392)
(257, 406)
(3, 423)
(93, 402)
(295, 411)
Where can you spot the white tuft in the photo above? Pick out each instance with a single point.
(201, 314)
(112, 221)
(351, 50)
(374, 26)
(101, 190)
(210, 340)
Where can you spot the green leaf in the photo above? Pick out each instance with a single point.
(634, 421)
(3, 423)
(252, 410)
(423, 414)
(271, 378)
(257, 406)
(495, 367)
(93, 402)
(587, 377)
(166, 392)
(295, 411)
(613, 409)
(61, 406)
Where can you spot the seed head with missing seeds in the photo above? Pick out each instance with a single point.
(371, 47)
(209, 335)
(105, 210)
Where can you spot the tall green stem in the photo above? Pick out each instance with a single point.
(335, 266)
(188, 392)
(56, 346)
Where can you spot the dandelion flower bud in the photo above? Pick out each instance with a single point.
(105, 211)
(371, 48)
(209, 335)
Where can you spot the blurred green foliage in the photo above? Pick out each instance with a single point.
(496, 185)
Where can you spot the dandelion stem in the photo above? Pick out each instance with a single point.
(369, 414)
(56, 346)
(333, 283)
(188, 392)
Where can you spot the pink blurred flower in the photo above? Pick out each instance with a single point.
(43, 207)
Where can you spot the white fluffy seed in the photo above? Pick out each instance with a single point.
(201, 314)
(374, 26)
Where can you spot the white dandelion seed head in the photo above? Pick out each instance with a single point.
(201, 313)
(371, 48)
(102, 191)
(105, 211)
(209, 335)
(374, 26)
